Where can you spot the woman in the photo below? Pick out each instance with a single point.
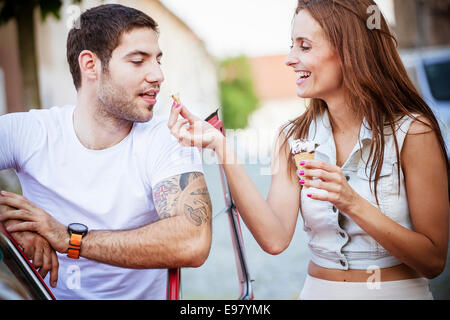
(374, 201)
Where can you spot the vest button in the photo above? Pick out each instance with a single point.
(347, 177)
(342, 263)
(334, 209)
(342, 234)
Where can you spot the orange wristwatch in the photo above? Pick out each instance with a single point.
(76, 231)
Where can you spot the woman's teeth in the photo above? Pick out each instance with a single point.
(303, 74)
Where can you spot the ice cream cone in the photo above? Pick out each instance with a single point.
(302, 150)
(302, 156)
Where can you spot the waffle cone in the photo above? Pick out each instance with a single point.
(302, 156)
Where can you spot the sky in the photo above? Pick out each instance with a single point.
(250, 27)
(232, 27)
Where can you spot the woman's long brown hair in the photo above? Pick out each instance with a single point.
(375, 80)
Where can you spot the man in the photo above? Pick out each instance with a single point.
(108, 166)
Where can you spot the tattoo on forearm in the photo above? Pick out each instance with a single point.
(196, 215)
(184, 194)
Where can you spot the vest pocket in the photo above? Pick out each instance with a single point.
(386, 170)
(366, 184)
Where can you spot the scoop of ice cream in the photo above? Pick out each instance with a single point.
(301, 145)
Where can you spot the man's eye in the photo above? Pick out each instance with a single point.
(136, 61)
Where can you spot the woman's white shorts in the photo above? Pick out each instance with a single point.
(411, 289)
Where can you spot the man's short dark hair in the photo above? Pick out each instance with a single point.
(99, 30)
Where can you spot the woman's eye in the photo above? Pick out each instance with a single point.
(304, 46)
(301, 46)
(136, 62)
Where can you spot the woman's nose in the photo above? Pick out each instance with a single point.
(291, 59)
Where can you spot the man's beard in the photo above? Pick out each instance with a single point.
(115, 102)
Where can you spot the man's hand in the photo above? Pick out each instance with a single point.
(34, 219)
(43, 257)
(36, 249)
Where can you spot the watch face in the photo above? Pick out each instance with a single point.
(78, 228)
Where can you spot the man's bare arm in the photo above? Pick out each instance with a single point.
(181, 238)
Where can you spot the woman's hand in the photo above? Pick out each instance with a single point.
(332, 180)
(198, 133)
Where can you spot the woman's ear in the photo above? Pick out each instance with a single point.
(89, 65)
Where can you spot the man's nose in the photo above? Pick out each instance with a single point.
(155, 74)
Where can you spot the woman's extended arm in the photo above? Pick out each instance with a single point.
(272, 221)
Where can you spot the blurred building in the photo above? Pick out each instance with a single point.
(188, 68)
(275, 85)
(422, 23)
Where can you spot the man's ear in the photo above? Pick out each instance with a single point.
(90, 65)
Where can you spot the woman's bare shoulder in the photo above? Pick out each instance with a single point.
(420, 125)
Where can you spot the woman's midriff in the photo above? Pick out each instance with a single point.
(399, 272)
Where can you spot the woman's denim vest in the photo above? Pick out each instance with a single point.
(335, 241)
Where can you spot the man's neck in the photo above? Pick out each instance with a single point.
(95, 128)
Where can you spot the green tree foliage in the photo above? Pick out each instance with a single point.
(237, 95)
(13, 8)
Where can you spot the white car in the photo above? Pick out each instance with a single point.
(429, 69)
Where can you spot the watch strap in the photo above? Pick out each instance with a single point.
(74, 246)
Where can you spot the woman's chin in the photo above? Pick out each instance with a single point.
(304, 95)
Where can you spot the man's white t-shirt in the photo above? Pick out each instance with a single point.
(108, 189)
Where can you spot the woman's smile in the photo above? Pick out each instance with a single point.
(303, 76)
